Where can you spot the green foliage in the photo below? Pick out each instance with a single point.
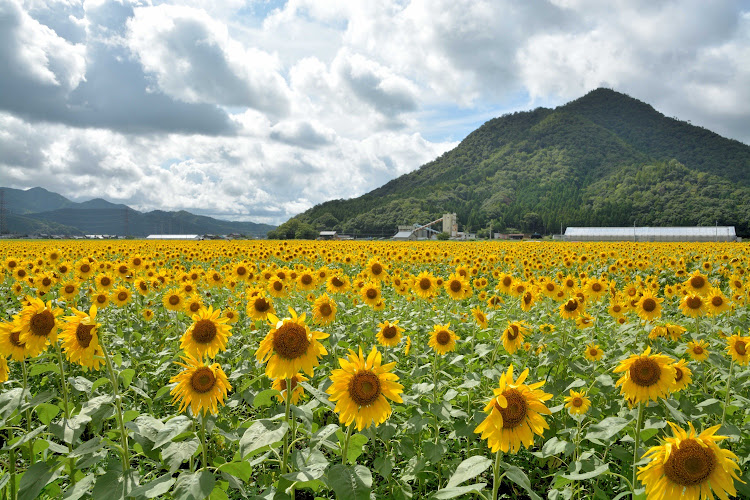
(293, 229)
(605, 159)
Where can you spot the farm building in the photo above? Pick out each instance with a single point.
(173, 237)
(690, 233)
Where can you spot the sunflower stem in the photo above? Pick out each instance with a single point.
(12, 467)
(638, 426)
(726, 396)
(66, 408)
(28, 411)
(345, 450)
(285, 459)
(120, 420)
(203, 442)
(496, 476)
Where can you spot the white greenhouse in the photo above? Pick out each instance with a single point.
(691, 233)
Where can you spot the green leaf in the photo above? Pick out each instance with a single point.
(91, 446)
(25, 438)
(81, 384)
(265, 398)
(520, 478)
(350, 483)
(582, 476)
(177, 453)
(35, 479)
(242, 470)
(158, 487)
(172, 428)
(555, 446)
(261, 435)
(607, 428)
(434, 451)
(10, 400)
(80, 489)
(127, 377)
(357, 444)
(108, 486)
(194, 486)
(99, 382)
(39, 368)
(457, 491)
(469, 469)
(69, 430)
(46, 412)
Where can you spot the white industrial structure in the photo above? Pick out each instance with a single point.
(691, 233)
(425, 232)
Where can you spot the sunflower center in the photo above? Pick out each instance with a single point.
(204, 331)
(122, 296)
(443, 337)
(46, 281)
(306, 279)
(389, 332)
(740, 347)
(617, 308)
(101, 298)
(70, 289)
(697, 350)
(512, 332)
(527, 298)
(577, 402)
(593, 352)
(85, 268)
(15, 339)
(337, 282)
(283, 383)
(42, 323)
(425, 284)
(122, 269)
(174, 300)
(697, 282)
(84, 336)
(142, 285)
(507, 281)
(550, 287)
(203, 380)
(694, 302)
(690, 463)
(596, 287)
(717, 301)
(364, 388)
(516, 411)
(571, 305)
(241, 271)
(325, 309)
(194, 306)
(455, 286)
(677, 374)
(137, 261)
(645, 372)
(649, 305)
(290, 341)
(106, 281)
(261, 304)
(371, 293)
(376, 269)
(278, 286)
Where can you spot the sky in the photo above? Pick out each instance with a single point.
(260, 109)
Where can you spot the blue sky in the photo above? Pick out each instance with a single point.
(258, 110)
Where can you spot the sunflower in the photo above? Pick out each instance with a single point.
(290, 346)
(457, 287)
(80, 339)
(673, 331)
(173, 300)
(199, 386)
(443, 339)
(480, 317)
(231, 315)
(376, 270)
(693, 305)
(737, 348)
(68, 290)
(242, 271)
(324, 310)
(338, 283)
(37, 324)
(571, 308)
(10, 343)
(495, 301)
(547, 328)
(425, 285)
(362, 387)
(596, 288)
(689, 466)
(277, 287)
(698, 350)
(193, 304)
(616, 310)
(647, 376)
(578, 404)
(698, 283)
(148, 314)
(649, 307)
(207, 335)
(84, 268)
(259, 306)
(593, 352)
(389, 334)
(3, 370)
(121, 296)
(297, 390)
(407, 346)
(716, 302)
(370, 293)
(513, 336)
(682, 375)
(514, 414)
(306, 281)
(584, 321)
(104, 281)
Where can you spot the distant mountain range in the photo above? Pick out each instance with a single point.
(38, 211)
(605, 159)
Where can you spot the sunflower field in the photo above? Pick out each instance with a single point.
(358, 370)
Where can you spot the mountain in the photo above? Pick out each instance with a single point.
(605, 159)
(37, 210)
